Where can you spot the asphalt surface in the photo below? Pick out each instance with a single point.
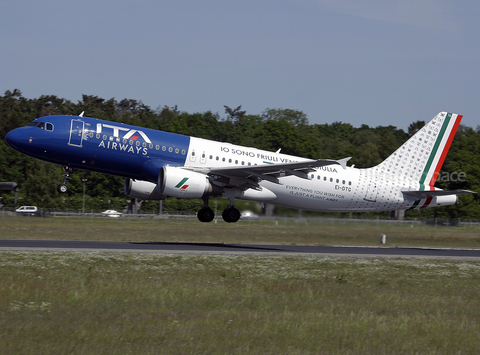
(247, 249)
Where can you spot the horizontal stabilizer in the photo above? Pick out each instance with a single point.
(343, 162)
(433, 193)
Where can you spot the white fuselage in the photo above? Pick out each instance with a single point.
(329, 188)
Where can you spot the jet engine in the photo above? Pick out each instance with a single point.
(182, 183)
(144, 190)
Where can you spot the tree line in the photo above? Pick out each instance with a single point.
(271, 130)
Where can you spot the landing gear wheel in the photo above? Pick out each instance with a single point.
(205, 214)
(62, 188)
(231, 215)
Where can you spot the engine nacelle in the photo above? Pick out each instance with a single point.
(144, 190)
(182, 183)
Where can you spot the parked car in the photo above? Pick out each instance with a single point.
(111, 213)
(28, 210)
(248, 215)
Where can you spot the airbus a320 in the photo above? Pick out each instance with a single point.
(157, 165)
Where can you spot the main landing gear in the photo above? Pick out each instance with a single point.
(205, 214)
(63, 188)
(229, 215)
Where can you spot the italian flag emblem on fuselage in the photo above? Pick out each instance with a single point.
(181, 185)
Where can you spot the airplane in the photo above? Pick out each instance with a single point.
(156, 165)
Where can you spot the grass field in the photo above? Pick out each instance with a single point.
(288, 231)
(109, 303)
(96, 303)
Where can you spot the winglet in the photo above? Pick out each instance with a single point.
(343, 162)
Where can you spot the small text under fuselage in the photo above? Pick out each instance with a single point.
(314, 194)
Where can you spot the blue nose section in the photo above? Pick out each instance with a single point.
(17, 138)
(10, 138)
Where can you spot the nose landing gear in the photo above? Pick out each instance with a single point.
(63, 188)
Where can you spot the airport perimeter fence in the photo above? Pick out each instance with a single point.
(452, 222)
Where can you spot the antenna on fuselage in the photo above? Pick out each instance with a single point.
(278, 151)
(81, 115)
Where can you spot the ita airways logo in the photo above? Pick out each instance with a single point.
(181, 185)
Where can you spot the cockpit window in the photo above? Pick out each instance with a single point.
(42, 125)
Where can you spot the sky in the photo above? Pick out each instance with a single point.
(370, 62)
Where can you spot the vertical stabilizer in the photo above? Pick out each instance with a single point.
(421, 157)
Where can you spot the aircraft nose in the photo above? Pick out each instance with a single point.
(16, 139)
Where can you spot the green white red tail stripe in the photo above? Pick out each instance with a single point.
(440, 149)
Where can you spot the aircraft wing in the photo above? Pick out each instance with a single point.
(249, 176)
(433, 193)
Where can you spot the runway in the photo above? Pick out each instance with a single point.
(243, 249)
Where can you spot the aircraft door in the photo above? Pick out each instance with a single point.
(193, 156)
(76, 133)
(371, 190)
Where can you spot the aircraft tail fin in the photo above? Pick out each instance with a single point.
(421, 157)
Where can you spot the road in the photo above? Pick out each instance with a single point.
(246, 249)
